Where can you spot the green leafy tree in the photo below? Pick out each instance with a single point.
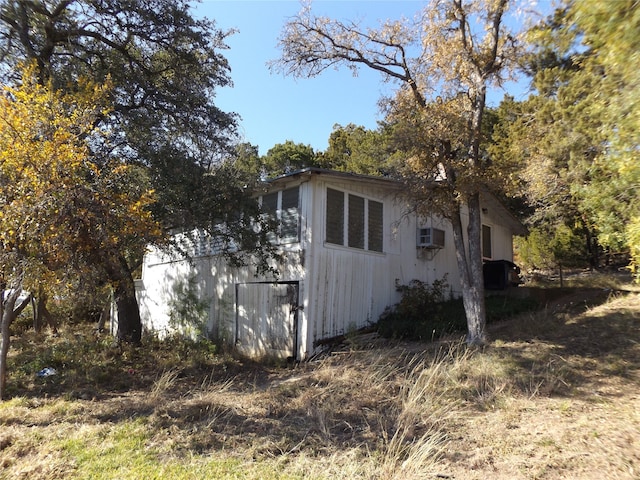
(288, 157)
(246, 160)
(578, 135)
(59, 212)
(550, 247)
(545, 154)
(612, 196)
(353, 148)
(164, 66)
(444, 62)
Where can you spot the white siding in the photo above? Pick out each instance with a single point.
(266, 318)
(214, 283)
(501, 237)
(340, 288)
(352, 287)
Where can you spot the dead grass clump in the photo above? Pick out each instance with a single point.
(341, 399)
(165, 383)
(552, 397)
(376, 406)
(420, 423)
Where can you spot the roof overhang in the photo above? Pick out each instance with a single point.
(487, 199)
(490, 201)
(313, 171)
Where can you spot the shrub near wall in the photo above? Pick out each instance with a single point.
(424, 313)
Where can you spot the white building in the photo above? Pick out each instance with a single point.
(347, 242)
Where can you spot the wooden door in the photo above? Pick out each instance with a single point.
(266, 319)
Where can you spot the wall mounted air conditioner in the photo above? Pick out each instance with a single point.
(430, 237)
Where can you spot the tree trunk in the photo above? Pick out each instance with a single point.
(129, 322)
(37, 320)
(5, 330)
(594, 249)
(8, 313)
(470, 268)
(477, 320)
(105, 315)
(42, 314)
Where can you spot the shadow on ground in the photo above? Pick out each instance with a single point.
(564, 349)
(575, 341)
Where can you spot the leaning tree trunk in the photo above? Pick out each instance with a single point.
(42, 314)
(5, 331)
(470, 268)
(8, 313)
(128, 313)
(105, 315)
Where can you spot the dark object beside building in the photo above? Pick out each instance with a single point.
(500, 274)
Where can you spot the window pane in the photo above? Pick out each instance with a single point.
(270, 203)
(375, 226)
(201, 243)
(335, 217)
(289, 229)
(486, 241)
(270, 208)
(356, 221)
(290, 198)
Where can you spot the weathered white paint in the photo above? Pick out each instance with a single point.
(266, 319)
(338, 288)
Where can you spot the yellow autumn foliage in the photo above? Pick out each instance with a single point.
(59, 205)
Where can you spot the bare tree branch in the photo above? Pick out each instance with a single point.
(458, 48)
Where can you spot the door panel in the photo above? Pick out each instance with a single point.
(266, 319)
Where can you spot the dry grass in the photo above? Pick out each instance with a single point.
(554, 396)
(572, 409)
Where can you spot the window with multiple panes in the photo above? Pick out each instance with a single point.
(486, 241)
(202, 243)
(289, 215)
(283, 206)
(353, 221)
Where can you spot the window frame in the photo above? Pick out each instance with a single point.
(338, 222)
(279, 213)
(486, 246)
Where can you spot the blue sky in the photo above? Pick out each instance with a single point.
(274, 108)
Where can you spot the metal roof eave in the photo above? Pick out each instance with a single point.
(488, 198)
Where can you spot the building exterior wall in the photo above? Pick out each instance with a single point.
(197, 297)
(352, 287)
(340, 288)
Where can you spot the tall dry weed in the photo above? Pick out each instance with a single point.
(424, 409)
(165, 382)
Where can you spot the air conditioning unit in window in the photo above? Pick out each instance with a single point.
(430, 237)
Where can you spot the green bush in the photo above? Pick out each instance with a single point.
(423, 314)
(546, 248)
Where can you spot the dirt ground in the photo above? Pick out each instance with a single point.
(587, 426)
(556, 395)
